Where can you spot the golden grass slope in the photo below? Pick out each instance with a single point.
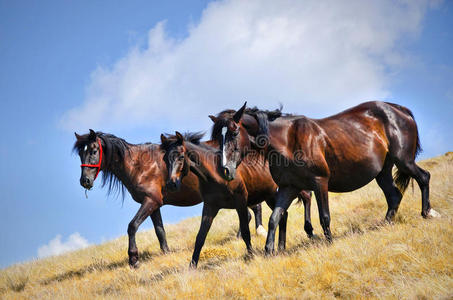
(412, 258)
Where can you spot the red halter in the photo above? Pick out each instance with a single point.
(98, 165)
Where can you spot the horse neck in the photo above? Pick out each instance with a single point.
(132, 164)
(206, 160)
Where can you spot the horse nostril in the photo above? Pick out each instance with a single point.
(85, 181)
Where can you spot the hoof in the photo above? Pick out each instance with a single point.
(135, 265)
(308, 229)
(261, 231)
(269, 253)
(248, 257)
(192, 265)
(433, 214)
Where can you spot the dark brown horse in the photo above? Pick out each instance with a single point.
(253, 184)
(141, 170)
(340, 153)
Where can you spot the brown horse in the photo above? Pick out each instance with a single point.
(340, 153)
(253, 184)
(141, 170)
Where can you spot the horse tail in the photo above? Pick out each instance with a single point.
(402, 179)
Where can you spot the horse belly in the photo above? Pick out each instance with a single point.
(349, 183)
(183, 198)
(217, 195)
(219, 200)
(357, 160)
(354, 176)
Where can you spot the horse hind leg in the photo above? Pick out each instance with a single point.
(391, 192)
(238, 234)
(422, 177)
(305, 197)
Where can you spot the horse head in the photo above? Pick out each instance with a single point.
(89, 148)
(232, 138)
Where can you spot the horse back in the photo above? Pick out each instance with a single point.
(372, 126)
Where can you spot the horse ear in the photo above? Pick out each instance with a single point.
(163, 139)
(92, 135)
(78, 137)
(214, 119)
(238, 115)
(179, 137)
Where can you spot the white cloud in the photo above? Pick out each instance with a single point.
(56, 246)
(309, 55)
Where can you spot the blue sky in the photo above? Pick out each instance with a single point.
(139, 68)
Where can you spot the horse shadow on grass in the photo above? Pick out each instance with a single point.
(100, 265)
(353, 230)
(210, 264)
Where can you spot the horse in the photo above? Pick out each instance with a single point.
(141, 170)
(185, 155)
(340, 153)
(248, 120)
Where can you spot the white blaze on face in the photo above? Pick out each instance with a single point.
(85, 149)
(224, 160)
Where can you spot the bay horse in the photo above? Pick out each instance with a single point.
(141, 170)
(340, 153)
(185, 155)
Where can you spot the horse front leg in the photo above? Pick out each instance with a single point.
(281, 225)
(238, 235)
(284, 197)
(282, 232)
(243, 214)
(160, 231)
(144, 211)
(209, 213)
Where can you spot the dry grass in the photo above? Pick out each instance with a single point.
(412, 258)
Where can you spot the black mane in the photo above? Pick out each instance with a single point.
(113, 147)
(263, 117)
(192, 137)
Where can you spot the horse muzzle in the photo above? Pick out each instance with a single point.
(86, 182)
(174, 185)
(229, 172)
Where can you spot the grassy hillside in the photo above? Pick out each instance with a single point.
(412, 258)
